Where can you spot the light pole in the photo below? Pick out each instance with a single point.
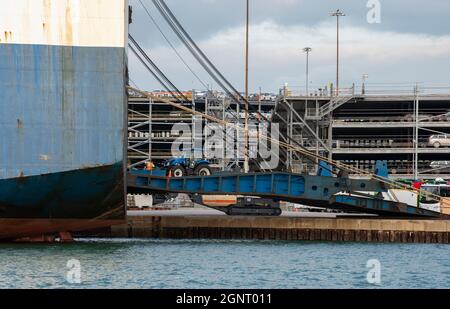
(337, 14)
(307, 50)
(364, 79)
(246, 122)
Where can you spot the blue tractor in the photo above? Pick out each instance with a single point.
(180, 167)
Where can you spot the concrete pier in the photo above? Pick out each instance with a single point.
(206, 224)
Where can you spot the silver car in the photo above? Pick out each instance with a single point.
(439, 141)
(440, 164)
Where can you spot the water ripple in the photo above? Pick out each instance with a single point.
(123, 263)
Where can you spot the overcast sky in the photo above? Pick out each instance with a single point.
(410, 44)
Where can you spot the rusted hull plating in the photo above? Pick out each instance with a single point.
(60, 202)
(12, 229)
(63, 72)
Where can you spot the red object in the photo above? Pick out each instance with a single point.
(418, 184)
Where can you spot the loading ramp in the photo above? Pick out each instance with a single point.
(337, 193)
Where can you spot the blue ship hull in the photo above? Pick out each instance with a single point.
(62, 124)
(67, 201)
(80, 194)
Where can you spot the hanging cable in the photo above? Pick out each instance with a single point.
(197, 56)
(190, 47)
(149, 69)
(172, 46)
(211, 69)
(199, 59)
(201, 53)
(159, 72)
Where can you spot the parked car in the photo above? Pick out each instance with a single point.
(440, 164)
(439, 141)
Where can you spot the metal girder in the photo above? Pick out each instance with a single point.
(281, 185)
(284, 139)
(307, 126)
(333, 105)
(138, 113)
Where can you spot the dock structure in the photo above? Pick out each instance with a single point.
(150, 124)
(361, 128)
(289, 227)
(354, 128)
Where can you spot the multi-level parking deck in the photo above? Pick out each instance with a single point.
(360, 129)
(150, 124)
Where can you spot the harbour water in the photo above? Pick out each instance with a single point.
(221, 264)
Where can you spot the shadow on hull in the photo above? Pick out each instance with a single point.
(62, 202)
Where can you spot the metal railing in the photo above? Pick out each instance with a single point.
(368, 89)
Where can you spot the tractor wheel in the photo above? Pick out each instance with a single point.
(178, 171)
(203, 170)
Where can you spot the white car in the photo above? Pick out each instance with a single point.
(439, 141)
(440, 164)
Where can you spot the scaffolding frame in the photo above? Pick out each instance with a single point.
(309, 121)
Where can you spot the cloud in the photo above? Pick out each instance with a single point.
(276, 55)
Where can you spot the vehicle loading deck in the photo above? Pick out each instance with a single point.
(339, 193)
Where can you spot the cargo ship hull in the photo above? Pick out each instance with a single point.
(68, 201)
(63, 72)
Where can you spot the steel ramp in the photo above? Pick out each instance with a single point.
(379, 207)
(315, 191)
